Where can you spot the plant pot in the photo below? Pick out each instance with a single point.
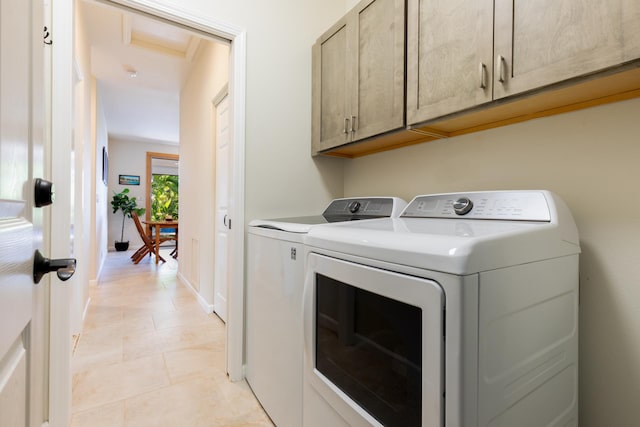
(122, 246)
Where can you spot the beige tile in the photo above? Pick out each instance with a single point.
(178, 405)
(149, 356)
(182, 317)
(104, 416)
(147, 308)
(107, 384)
(192, 336)
(186, 301)
(240, 407)
(97, 347)
(143, 344)
(99, 315)
(136, 346)
(123, 327)
(202, 361)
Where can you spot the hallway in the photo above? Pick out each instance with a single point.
(149, 355)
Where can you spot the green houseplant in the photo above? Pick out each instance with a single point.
(122, 202)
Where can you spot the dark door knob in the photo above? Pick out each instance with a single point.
(43, 193)
(64, 267)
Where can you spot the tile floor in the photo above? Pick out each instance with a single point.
(149, 356)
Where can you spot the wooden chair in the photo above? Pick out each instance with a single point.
(148, 246)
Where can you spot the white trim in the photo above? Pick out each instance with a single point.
(62, 73)
(176, 15)
(235, 316)
(206, 307)
(223, 31)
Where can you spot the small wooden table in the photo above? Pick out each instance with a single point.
(157, 225)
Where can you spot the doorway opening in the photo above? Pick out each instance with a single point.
(216, 30)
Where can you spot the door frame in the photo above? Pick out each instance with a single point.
(217, 29)
(61, 120)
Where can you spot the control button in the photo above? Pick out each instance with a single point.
(462, 206)
(354, 206)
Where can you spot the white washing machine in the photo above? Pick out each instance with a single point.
(462, 312)
(275, 276)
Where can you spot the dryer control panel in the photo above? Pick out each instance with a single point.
(496, 205)
(355, 208)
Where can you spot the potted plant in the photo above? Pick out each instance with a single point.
(122, 202)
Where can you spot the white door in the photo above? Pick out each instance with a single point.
(223, 221)
(22, 334)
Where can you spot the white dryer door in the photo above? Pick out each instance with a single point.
(374, 343)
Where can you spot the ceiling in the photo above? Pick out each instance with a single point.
(140, 65)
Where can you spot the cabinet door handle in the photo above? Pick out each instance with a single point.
(501, 69)
(345, 129)
(483, 76)
(353, 124)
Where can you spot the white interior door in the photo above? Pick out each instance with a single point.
(23, 335)
(223, 221)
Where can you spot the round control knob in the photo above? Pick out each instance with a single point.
(462, 206)
(354, 206)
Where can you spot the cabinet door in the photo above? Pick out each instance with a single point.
(449, 56)
(541, 42)
(376, 63)
(329, 98)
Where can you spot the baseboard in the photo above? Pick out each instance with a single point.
(208, 308)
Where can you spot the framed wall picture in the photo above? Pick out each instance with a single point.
(105, 166)
(129, 179)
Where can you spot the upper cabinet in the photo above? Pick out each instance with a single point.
(470, 65)
(358, 75)
(457, 58)
(538, 43)
(449, 56)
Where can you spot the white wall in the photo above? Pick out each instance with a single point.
(101, 139)
(129, 158)
(197, 169)
(281, 177)
(589, 158)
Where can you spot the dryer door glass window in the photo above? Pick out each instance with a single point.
(370, 347)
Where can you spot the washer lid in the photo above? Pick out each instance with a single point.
(300, 224)
(454, 244)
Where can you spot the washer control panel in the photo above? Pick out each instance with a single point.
(496, 205)
(361, 208)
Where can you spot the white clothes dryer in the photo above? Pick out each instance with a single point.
(275, 276)
(462, 312)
